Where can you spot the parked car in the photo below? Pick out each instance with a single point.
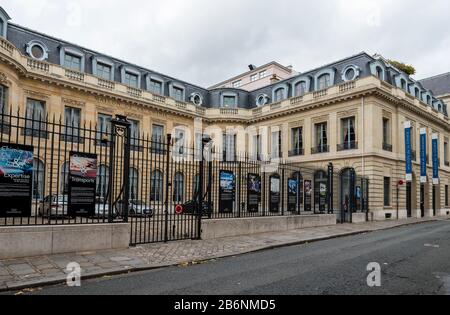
(136, 208)
(102, 208)
(53, 206)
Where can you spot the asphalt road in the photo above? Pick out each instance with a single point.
(414, 260)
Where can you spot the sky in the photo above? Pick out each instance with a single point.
(207, 41)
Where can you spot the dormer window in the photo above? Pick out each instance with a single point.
(72, 58)
(300, 88)
(177, 93)
(4, 18)
(103, 68)
(229, 100)
(262, 100)
(403, 84)
(279, 94)
(324, 81)
(350, 73)
(379, 73)
(2, 26)
(417, 92)
(196, 99)
(37, 50)
(155, 87)
(131, 77)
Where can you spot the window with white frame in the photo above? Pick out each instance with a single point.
(180, 142)
(300, 88)
(35, 114)
(104, 127)
(321, 136)
(229, 147)
(37, 50)
(134, 130)
(3, 99)
(348, 136)
(237, 84)
(263, 74)
(254, 77)
(276, 145)
(280, 94)
(72, 119)
(157, 138)
(297, 140)
(257, 147)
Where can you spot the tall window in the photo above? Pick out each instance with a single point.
(300, 88)
(104, 71)
(321, 137)
(35, 114)
(180, 142)
(257, 147)
(297, 141)
(156, 87)
(229, 101)
(72, 119)
(72, 62)
(178, 94)
(386, 131)
(131, 79)
(446, 152)
(280, 95)
(379, 71)
(102, 181)
(403, 84)
(64, 180)
(3, 100)
(387, 191)
(158, 138)
(134, 130)
(104, 127)
(134, 184)
(229, 145)
(348, 136)
(324, 81)
(156, 192)
(178, 188)
(38, 179)
(276, 145)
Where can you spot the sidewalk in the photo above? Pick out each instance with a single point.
(23, 273)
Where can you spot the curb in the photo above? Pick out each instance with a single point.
(122, 271)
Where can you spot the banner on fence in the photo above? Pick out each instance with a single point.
(82, 184)
(16, 180)
(274, 196)
(292, 194)
(227, 191)
(253, 192)
(308, 195)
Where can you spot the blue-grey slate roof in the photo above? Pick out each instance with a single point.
(440, 84)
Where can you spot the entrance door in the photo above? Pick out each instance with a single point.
(409, 199)
(347, 195)
(422, 200)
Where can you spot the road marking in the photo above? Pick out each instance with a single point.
(431, 245)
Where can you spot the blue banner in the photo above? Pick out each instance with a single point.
(408, 151)
(435, 147)
(423, 155)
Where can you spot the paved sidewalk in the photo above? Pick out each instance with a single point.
(24, 273)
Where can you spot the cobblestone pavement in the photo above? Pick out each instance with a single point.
(35, 271)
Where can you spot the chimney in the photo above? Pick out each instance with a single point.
(274, 79)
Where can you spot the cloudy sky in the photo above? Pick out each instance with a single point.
(207, 41)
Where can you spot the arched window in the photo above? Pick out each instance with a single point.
(428, 99)
(38, 179)
(300, 88)
(102, 181)
(324, 81)
(280, 94)
(417, 92)
(403, 84)
(379, 73)
(178, 188)
(156, 191)
(64, 189)
(134, 183)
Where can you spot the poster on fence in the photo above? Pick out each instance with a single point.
(275, 189)
(227, 191)
(308, 195)
(82, 184)
(323, 189)
(253, 192)
(16, 180)
(292, 194)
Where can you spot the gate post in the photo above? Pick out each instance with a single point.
(200, 198)
(168, 185)
(120, 126)
(330, 188)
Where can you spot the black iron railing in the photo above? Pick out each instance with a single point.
(352, 145)
(387, 147)
(296, 152)
(320, 149)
